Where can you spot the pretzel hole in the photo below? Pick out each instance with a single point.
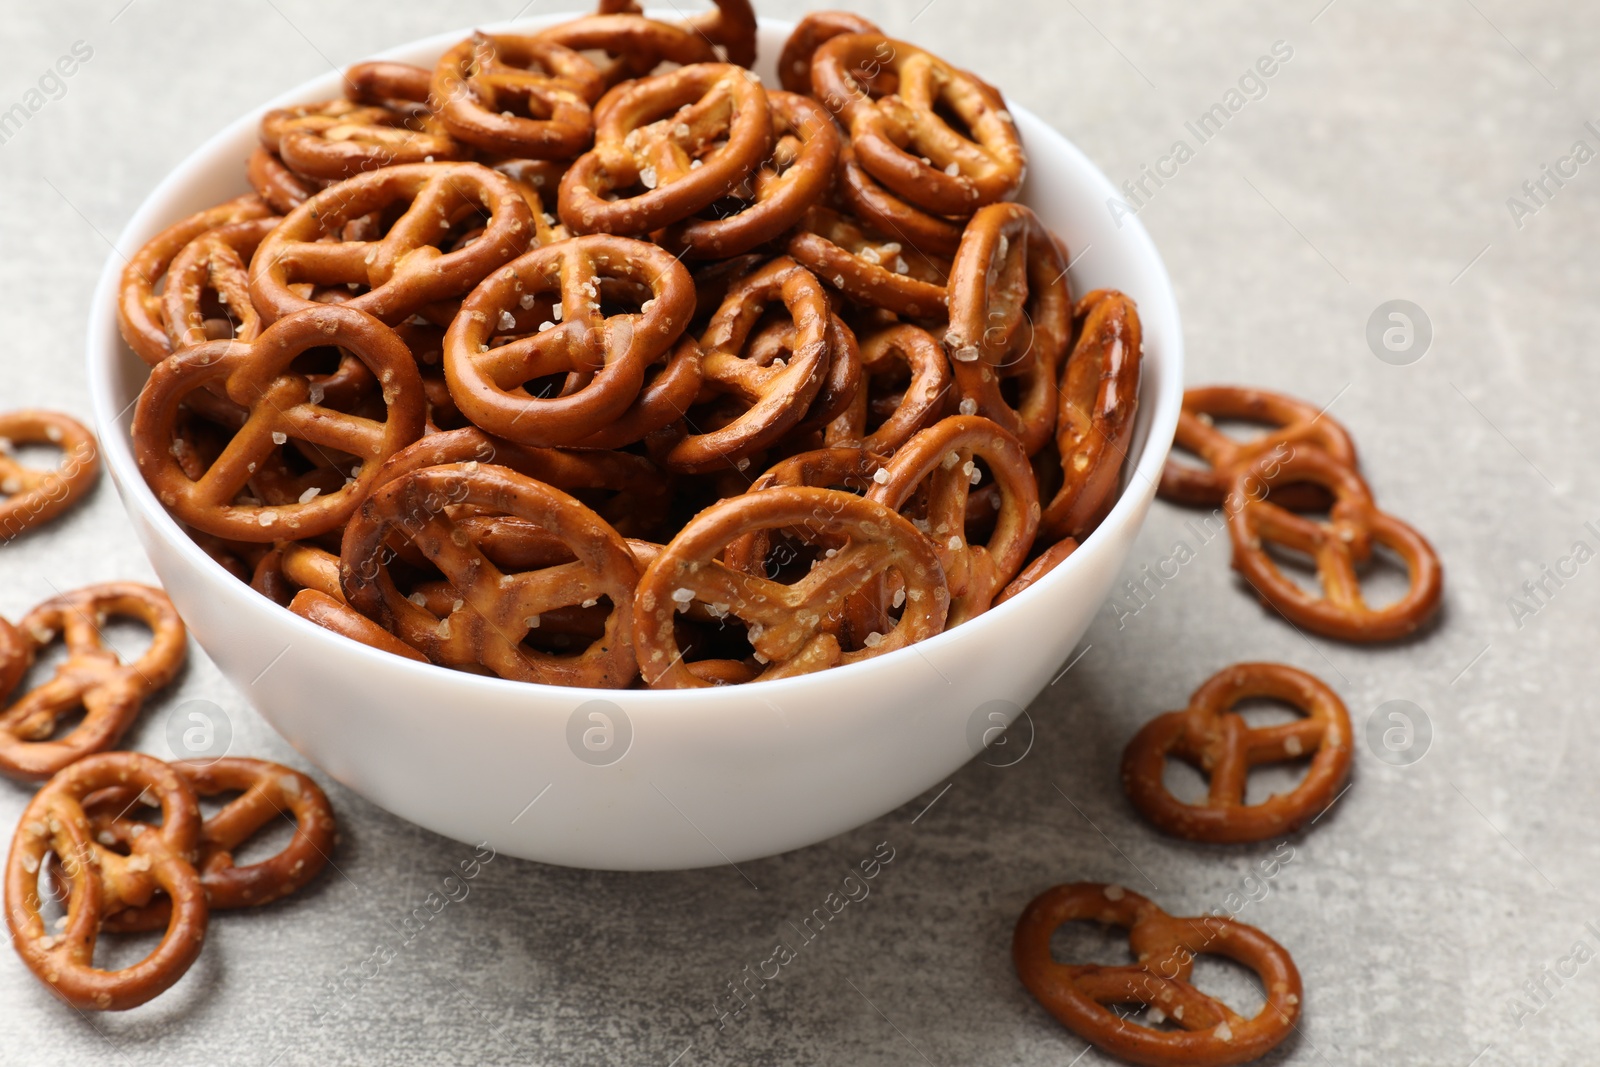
(1384, 577)
(127, 636)
(115, 951)
(1185, 782)
(1232, 983)
(1083, 941)
(267, 842)
(570, 629)
(947, 113)
(35, 455)
(51, 888)
(1297, 567)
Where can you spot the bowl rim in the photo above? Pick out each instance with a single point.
(117, 451)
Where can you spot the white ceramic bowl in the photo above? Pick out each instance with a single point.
(704, 777)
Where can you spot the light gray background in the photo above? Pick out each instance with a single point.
(1376, 167)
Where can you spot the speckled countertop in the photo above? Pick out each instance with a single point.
(1436, 912)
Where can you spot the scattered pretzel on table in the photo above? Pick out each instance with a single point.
(122, 872)
(94, 678)
(1082, 996)
(1336, 547)
(1216, 740)
(104, 881)
(30, 496)
(1294, 423)
(266, 792)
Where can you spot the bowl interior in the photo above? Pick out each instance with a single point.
(1064, 187)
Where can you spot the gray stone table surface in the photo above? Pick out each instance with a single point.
(1439, 912)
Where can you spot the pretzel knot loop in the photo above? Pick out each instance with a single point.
(282, 403)
(666, 147)
(491, 613)
(104, 881)
(29, 496)
(94, 678)
(889, 95)
(941, 462)
(1336, 547)
(1293, 423)
(405, 270)
(1081, 996)
(1094, 423)
(767, 388)
(798, 173)
(266, 793)
(603, 357)
(791, 626)
(1218, 742)
(1010, 317)
(477, 83)
(336, 139)
(730, 27)
(140, 317)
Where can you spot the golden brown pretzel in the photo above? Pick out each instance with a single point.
(30, 496)
(797, 175)
(608, 354)
(216, 262)
(774, 396)
(1295, 423)
(847, 467)
(730, 26)
(291, 566)
(332, 613)
(1083, 997)
(1094, 422)
(282, 405)
(138, 305)
(932, 234)
(338, 139)
(1043, 564)
(93, 678)
(1221, 744)
(493, 611)
(663, 400)
(104, 881)
(267, 792)
(1336, 547)
(869, 267)
(1010, 317)
(280, 187)
(941, 462)
(632, 45)
(404, 269)
(920, 404)
(400, 87)
(895, 132)
(788, 623)
(477, 83)
(666, 147)
(810, 33)
(643, 491)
